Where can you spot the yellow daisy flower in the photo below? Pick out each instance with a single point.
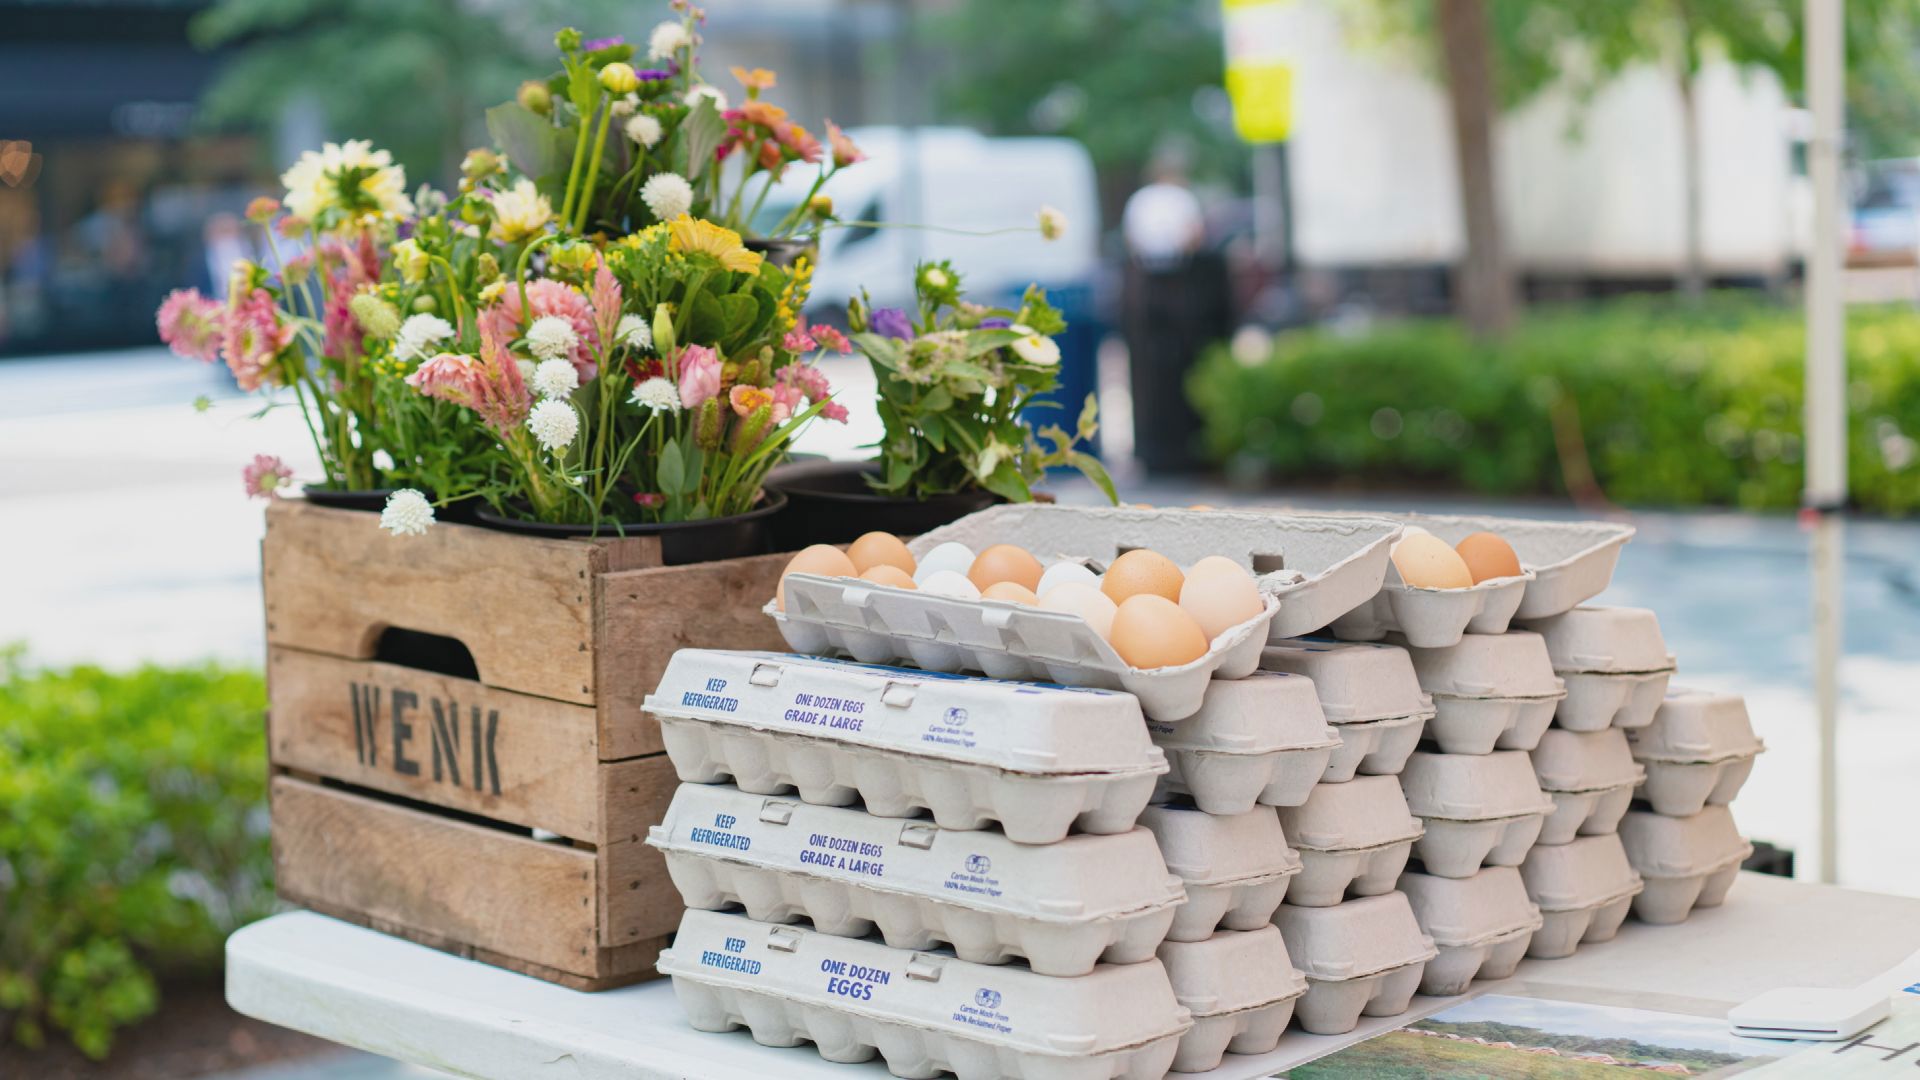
(693, 236)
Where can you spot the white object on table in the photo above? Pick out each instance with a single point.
(354, 986)
(1799, 1012)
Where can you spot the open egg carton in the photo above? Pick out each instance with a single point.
(1490, 692)
(1567, 563)
(1614, 662)
(1236, 869)
(1240, 988)
(1686, 862)
(1039, 760)
(1259, 740)
(1590, 776)
(1368, 692)
(1583, 889)
(1354, 840)
(1062, 908)
(1480, 925)
(923, 1012)
(1697, 752)
(1361, 958)
(1479, 810)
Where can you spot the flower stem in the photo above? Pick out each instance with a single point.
(573, 174)
(593, 170)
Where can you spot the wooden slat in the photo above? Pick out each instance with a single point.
(637, 898)
(485, 888)
(450, 742)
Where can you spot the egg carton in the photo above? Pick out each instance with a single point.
(1490, 691)
(1368, 692)
(1433, 618)
(1259, 740)
(1236, 869)
(1478, 809)
(1353, 838)
(1062, 908)
(1361, 958)
(1570, 562)
(1481, 925)
(1240, 988)
(1319, 565)
(1374, 747)
(1687, 862)
(1583, 889)
(922, 1012)
(1614, 662)
(1698, 751)
(1590, 776)
(1039, 760)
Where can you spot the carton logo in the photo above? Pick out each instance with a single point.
(978, 864)
(450, 744)
(986, 999)
(956, 717)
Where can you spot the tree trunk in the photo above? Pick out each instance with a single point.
(1693, 273)
(1484, 282)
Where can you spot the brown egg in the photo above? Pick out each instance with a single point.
(1005, 562)
(1219, 593)
(1426, 562)
(818, 559)
(1487, 557)
(1142, 571)
(880, 549)
(887, 574)
(1151, 631)
(1011, 591)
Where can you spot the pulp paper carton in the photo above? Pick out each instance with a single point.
(1368, 692)
(1698, 751)
(1583, 888)
(1262, 739)
(1240, 987)
(1039, 760)
(1361, 958)
(1481, 925)
(923, 1012)
(1590, 776)
(1433, 618)
(1353, 838)
(1490, 691)
(1687, 862)
(1614, 662)
(1484, 809)
(1236, 869)
(1570, 561)
(1062, 907)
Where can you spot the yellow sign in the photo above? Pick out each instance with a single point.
(1259, 79)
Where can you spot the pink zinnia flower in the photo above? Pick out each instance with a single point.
(833, 339)
(545, 297)
(448, 376)
(265, 476)
(797, 339)
(745, 399)
(190, 324)
(699, 369)
(253, 338)
(833, 410)
(844, 151)
(490, 386)
(810, 379)
(786, 400)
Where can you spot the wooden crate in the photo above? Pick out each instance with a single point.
(426, 801)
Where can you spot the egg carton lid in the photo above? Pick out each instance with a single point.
(1009, 640)
(1113, 1008)
(1588, 872)
(1472, 787)
(1354, 938)
(1467, 911)
(1604, 639)
(1321, 565)
(1356, 680)
(1573, 761)
(1220, 849)
(1696, 726)
(1364, 812)
(1081, 879)
(1665, 847)
(1510, 665)
(1262, 713)
(1569, 561)
(1231, 971)
(1019, 727)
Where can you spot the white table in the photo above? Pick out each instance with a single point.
(405, 1001)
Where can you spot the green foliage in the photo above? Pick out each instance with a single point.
(1676, 405)
(133, 838)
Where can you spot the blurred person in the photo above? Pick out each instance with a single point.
(224, 241)
(113, 238)
(1163, 223)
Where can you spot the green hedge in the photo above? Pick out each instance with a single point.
(133, 838)
(1677, 406)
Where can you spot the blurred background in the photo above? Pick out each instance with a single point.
(1541, 257)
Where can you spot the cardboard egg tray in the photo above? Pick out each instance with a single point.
(1686, 862)
(922, 1012)
(1698, 751)
(1590, 776)
(1319, 565)
(1236, 869)
(1258, 740)
(1063, 908)
(1361, 958)
(1567, 562)
(1480, 925)
(1583, 889)
(1614, 661)
(1433, 618)
(1240, 988)
(1038, 760)
(1354, 840)
(1479, 810)
(1368, 692)
(1490, 691)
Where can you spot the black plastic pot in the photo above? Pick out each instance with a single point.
(781, 253)
(681, 542)
(374, 499)
(830, 502)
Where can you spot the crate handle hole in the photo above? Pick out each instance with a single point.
(420, 650)
(1267, 564)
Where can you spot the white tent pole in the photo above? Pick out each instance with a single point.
(1825, 496)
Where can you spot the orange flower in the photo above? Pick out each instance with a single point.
(756, 80)
(844, 151)
(763, 114)
(745, 399)
(804, 145)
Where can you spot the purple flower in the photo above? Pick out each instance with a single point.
(891, 322)
(660, 73)
(995, 323)
(596, 44)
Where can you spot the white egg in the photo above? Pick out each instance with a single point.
(950, 556)
(1065, 573)
(949, 583)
